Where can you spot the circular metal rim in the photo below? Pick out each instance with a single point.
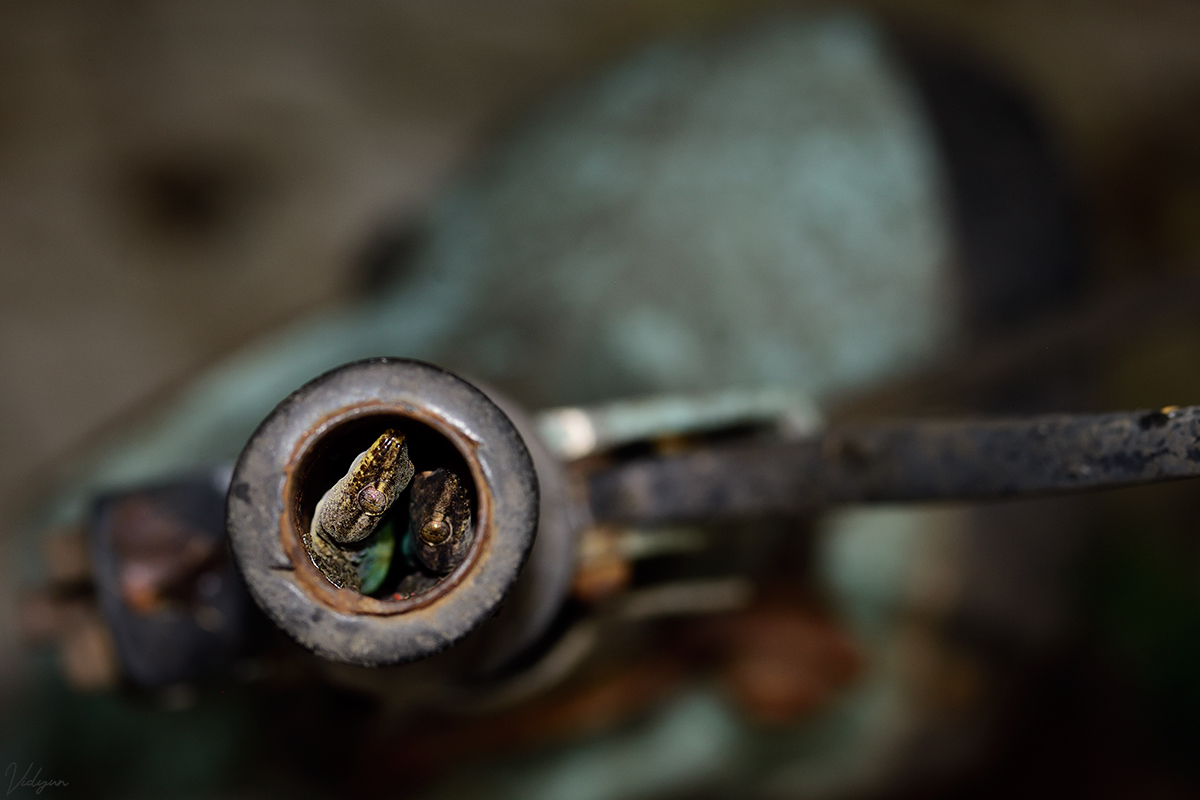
(343, 625)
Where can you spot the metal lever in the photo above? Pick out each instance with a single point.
(903, 461)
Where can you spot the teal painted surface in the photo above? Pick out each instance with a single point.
(760, 212)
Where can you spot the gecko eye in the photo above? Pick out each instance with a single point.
(372, 501)
(436, 532)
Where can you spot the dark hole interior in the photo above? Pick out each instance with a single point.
(330, 458)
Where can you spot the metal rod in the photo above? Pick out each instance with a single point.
(904, 461)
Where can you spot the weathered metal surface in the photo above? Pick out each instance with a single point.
(266, 512)
(905, 461)
(578, 431)
(169, 591)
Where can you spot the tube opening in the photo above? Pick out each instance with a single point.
(391, 563)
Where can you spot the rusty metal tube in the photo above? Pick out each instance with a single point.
(306, 442)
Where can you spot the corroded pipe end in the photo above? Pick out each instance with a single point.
(307, 443)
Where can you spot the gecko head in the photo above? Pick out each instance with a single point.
(354, 506)
(381, 472)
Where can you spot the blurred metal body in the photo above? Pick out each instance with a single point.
(736, 233)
